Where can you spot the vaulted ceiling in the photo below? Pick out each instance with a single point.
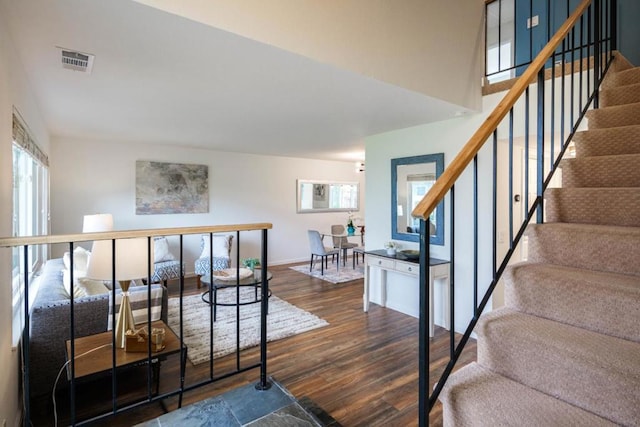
(160, 78)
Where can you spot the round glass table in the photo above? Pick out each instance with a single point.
(229, 284)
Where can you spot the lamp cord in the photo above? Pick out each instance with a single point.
(55, 384)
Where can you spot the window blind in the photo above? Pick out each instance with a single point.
(22, 137)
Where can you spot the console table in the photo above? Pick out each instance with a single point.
(399, 263)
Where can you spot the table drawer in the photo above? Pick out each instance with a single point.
(381, 262)
(408, 267)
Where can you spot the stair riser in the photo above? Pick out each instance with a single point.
(623, 78)
(604, 206)
(620, 95)
(475, 396)
(603, 171)
(611, 249)
(600, 302)
(605, 142)
(595, 372)
(623, 115)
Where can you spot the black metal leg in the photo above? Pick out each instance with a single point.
(215, 300)
(183, 368)
(311, 263)
(322, 265)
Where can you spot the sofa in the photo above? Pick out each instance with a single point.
(50, 320)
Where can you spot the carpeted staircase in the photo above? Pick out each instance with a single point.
(565, 350)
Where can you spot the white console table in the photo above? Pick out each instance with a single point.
(438, 269)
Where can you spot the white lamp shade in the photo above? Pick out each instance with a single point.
(131, 259)
(97, 223)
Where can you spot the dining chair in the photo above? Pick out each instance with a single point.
(319, 250)
(340, 242)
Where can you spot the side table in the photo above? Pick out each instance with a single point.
(101, 360)
(216, 284)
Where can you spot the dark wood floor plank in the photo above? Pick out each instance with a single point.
(362, 368)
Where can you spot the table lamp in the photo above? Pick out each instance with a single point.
(130, 263)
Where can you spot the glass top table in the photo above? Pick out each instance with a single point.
(231, 284)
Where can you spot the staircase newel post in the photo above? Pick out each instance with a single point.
(264, 383)
(596, 52)
(540, 154)
(614, 24)
(423, 327)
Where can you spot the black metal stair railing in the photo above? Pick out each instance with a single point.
(70, 242)
(581, 50)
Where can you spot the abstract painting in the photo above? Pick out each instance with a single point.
(171, 188)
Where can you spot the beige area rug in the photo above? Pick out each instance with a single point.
(283, 320)
(345, 274)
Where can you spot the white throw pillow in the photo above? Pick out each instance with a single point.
(66, 281)
(81, 258)
(161, 250)
(221, 246)
(90, 286)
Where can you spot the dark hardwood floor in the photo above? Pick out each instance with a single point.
(362, 369)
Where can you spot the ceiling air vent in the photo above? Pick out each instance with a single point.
(77, 61)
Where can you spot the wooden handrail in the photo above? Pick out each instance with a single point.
(126, 234)
(475, 143)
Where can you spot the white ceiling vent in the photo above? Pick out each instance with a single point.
(77, 61)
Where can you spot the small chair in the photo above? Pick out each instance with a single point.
(356, 255)
(221, 255)
(165, 264)
(318, 250)
(342, 243)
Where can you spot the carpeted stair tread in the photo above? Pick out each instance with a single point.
(622, 78)
(608, 141)
(620, 95)
(476, 396)
(605, 206)
(601, 171)
(595, 372)
(602, 302)
(592, 247)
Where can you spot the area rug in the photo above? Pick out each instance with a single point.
(284, 320)
(345, 274)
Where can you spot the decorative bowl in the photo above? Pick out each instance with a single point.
(229, 274)
(411, 253)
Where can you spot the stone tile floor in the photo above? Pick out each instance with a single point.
(246, 406)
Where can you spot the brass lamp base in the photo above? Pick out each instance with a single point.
(124, 321)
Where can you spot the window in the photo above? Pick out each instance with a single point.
(30, 215)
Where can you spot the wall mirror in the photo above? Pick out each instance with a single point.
(327, 196)
(411, 179)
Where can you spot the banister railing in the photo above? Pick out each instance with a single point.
(562, 95)
(69, 242)
(475, 143)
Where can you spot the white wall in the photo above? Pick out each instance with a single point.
(97, 177)
(449, 137)
(428, 46)
(443, 137)
(14, 92)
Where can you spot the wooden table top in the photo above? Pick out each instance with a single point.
(101, 359)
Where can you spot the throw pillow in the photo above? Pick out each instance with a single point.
(66, 281)
(90, 286)
(80, 259)
(221, 246)
(161, 250)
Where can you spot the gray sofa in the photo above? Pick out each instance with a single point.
(50, 325)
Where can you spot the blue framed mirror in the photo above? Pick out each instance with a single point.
(411, 179)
